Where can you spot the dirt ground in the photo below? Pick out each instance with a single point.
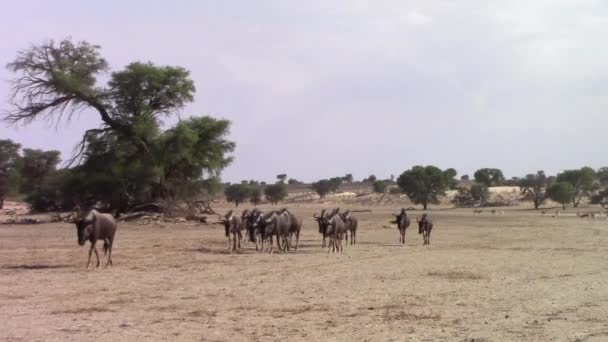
(519, 276)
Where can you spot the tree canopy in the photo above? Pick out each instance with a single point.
(561, 192)
(489, 177)
(237, 193)
(583, 182)
(423, 184)
(129, 153)
(275, 193)
(534, 187)
(9, 154)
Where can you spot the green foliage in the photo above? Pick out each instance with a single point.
(379, 186)
(293, 181)
(583, 181)
(489, 177)
(282, 177)
(423, 184)
(464, 177)
(370, 179)
(275, 193)
(602, 176)
(322, 187)
(450, 176)
(9, 156)
(534, 187)
(348, 178)
(335, 183)
(237, 193)
(476, 195)
(128, 155)
(255, 195)
(561, 192)
(601, 198)
(36, 166)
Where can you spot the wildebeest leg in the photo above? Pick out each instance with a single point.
(110, 243)
(297, 239)
(235, 236)
(229, 243)
(96, 255)
(346, 235)
(323, 244)
(90, 253)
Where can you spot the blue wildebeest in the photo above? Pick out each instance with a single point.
(336, 227)
(233, 225)
(295, 227)
(402, 222)
(425, 225)
(351, 226)
(94, 226)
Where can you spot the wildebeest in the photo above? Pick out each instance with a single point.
(94, 226)
(295, 226)
(322, 225)
(278, 224)
(402, 222)
(425, 225)
(351, 226)
(233, 225)
(336, 227)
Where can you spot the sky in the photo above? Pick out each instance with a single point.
(320, 88)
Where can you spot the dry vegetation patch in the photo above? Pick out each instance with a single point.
(455, 275)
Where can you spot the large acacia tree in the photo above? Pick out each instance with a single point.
(424, 184)
(129, 153)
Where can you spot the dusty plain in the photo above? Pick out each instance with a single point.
(521, 276)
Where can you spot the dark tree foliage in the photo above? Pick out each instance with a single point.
(464, 177)
(348, 178)
(476, 195)
(583, 182)
(36, 167)
(275, 193)
(561, 192)
(9, 155)
(255, 195)
(450, 176)
(322, 187)
(379, 186)
(489, 177)
(602, 176)
(370, 179)
(601, 198)
(282, 177)
(423, 184)
(534, 187)
(293, 181)
(237, 193)
(335, 184)
(128, 153)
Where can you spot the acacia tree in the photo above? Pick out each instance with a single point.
(275, 192)
(582, 180)
(237, 193)
(489, 177)
(9, 154)
(534, 188)
(322, 187)
(423, 184)
(36, 167)
(128, 152)
(379, 186)
(561, 192)
(255, 195)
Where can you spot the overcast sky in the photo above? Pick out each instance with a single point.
(322, 88)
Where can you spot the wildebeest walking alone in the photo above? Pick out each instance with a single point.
(425, 225)
(402, 222)
(95, 226)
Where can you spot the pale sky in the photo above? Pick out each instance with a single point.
(321, 88)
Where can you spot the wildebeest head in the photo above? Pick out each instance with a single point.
(84, 225)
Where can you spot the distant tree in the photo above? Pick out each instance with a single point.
(464, 177)
(450, 176)
(348, 178)
(263, 183)
(371, 178)
(293, 181)
(392, 178)
(423, 184)
(534, 187)
(489, 177)
(255, 195)
(476, 195)
(379, 186)
(335, 183)
(9, 154)
(322, 187)
(282, 177)
(561, 192)
(245, 182)
(237, 193)
(36, 167)
(275, 192)
(254, 182)
(602, 176)
(582, 180)
(601, 198)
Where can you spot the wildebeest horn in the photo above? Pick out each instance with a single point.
(315, 215)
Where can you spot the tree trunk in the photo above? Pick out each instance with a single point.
(424, 205)
(564, 206)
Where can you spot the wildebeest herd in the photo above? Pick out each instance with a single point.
(255, 226)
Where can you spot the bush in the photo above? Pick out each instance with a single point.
(379, 186)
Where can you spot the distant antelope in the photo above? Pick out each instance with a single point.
(586, 215)
(477, 211)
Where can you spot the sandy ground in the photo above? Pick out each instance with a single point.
(516, 277)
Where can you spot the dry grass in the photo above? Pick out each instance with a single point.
(455, 275)
(484, 278)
